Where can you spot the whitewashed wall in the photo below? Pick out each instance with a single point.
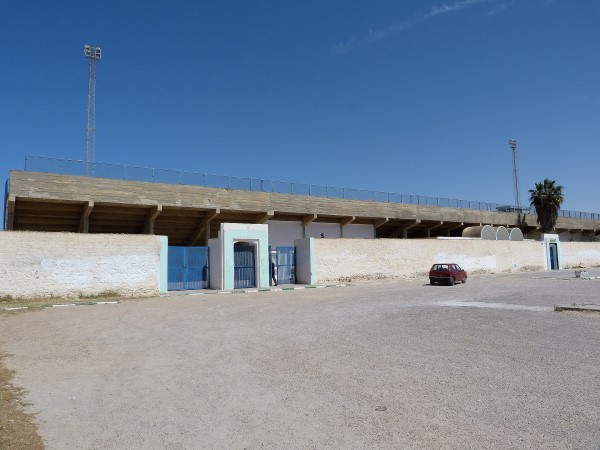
(283, 233)
(38, 264)
(329, 230)
(576, 254)
(339, 259)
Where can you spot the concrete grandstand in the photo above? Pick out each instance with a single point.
(59, 198)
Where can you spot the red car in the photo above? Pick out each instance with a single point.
(447, 273)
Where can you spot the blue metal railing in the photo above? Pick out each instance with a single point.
(136, 173)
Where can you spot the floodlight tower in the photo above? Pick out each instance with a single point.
(93, 54)
(513, 146)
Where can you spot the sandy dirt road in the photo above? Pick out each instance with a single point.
(402, 364)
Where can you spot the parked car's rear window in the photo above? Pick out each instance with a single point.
(440, 267)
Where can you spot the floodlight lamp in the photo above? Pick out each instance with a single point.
(92, 52)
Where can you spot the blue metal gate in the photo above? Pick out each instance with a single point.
(244, 273)
(188, 268)
(286, 265)
(553, 256)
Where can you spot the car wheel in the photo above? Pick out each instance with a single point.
(464, 280)
(451, 281)
(431, 282)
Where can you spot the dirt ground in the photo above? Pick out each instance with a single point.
(487, 364)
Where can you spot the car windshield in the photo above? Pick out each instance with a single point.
(440, 267)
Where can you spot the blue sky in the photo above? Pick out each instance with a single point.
(406, 96)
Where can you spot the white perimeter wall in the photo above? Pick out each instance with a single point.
(339, 259)
(38, 264)
(576, 254)
(284, 233)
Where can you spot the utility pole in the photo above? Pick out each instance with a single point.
(93, 54)
(513, 146)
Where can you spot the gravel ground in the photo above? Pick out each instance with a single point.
(486, 364)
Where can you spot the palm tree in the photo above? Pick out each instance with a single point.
(546, 198)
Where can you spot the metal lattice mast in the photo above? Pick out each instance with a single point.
(93, 54)
(513, 146)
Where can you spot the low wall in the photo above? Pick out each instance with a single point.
(341, 259)
(39, 264)
(579, 254)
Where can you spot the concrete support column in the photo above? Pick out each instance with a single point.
(379, 223)
(345, 222)
(433, 227)
(305, 221)
(263, 218)
(10, 212)
(404, 230)
(84, 222)
(152, 215)
(454, 227)
(207, 233)
(204, 225)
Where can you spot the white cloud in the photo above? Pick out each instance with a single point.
(374, 36)
(437, 10)
(499, 9)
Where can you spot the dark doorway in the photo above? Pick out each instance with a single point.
(244, 260)
(553, 256)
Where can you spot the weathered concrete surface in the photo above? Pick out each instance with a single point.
(189, 214)
(341, 259)
(38, 264)
(580, 254)
(314, 368)
(66, 188)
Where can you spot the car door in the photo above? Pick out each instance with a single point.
(459, 274)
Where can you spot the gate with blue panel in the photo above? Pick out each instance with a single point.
(244, 261)
(286, 265)
(188, 268)
(553, 256)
